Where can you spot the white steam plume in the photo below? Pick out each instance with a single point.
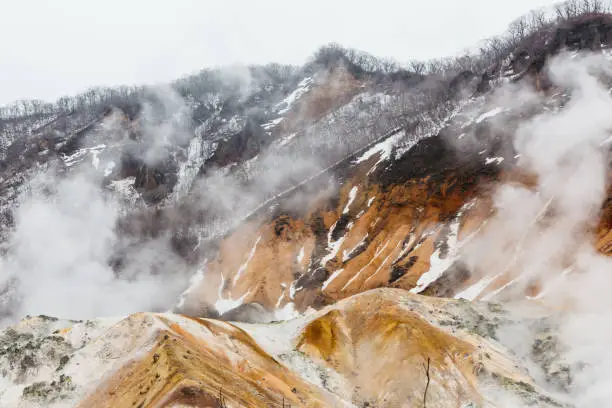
(66, 232)
(59, 260)
(545, 233)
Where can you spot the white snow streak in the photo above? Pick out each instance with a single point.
(438, 265)
(383, 149)
(285, 105)
(347, 252)
(476, 289)
(490, 160)
(223, 305)
(384, 262)
(489, 114)
(95, 160)
(244, 266)
(352, 195)
(272, 123)
(109, 169)
(280, 300)
(378, 252)
(334, 246)
(194, 282)
(293, 290)
(331, 278)
(496, 292)
(286, 139)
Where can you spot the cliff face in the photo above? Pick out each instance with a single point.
(372, 234)
(404, 211)
(397, 219)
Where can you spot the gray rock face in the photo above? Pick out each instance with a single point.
(248, 313)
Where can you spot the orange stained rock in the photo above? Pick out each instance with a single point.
(384, 348)
(224, 364)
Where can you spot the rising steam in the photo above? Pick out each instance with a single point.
(545, 233)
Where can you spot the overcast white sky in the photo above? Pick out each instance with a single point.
(49, 48)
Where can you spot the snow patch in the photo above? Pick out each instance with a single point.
(124, 186)
(383, 149)
(277, 339)
(272, 123)
(347, 252)
(437, 264)
(223, 305)
(286, 139)
(378, 252)
(109, 169)
(476, 289)
(351, 198)
(287, 312)
(79, 155)
(285, 105)
(497, 160)
(489, 114)
(331, 278)
(274, 338)
(244, 266)
(334, 246)
(198, 152)
(74, 158)
(125, 190)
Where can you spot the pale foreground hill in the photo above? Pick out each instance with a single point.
(382, 348)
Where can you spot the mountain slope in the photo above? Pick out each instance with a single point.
(400, 218)
(313, 207)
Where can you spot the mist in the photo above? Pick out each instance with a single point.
(66, 235)
(543, 234)
(58, 264)
(67, 256)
